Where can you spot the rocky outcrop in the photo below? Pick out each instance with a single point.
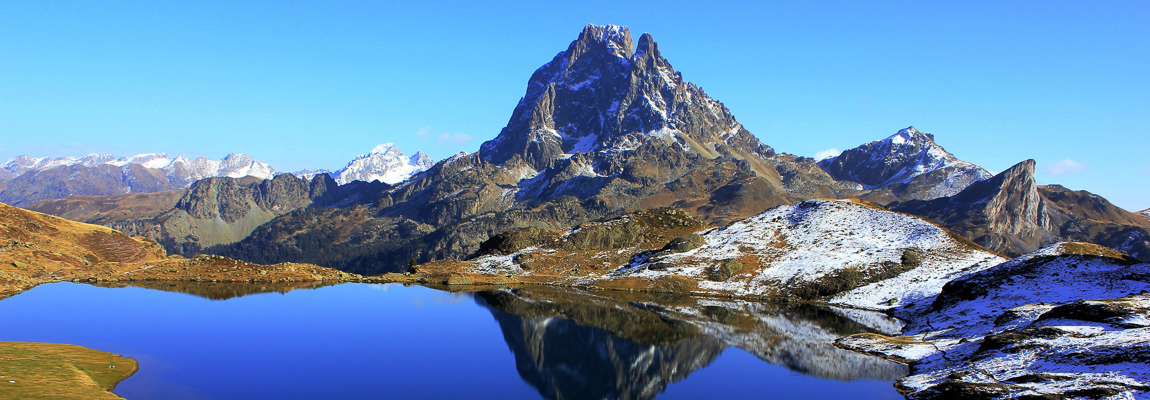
(1067, 321)
(1011, 214)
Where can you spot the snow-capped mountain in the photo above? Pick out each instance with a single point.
(1145, 212)
(181, 171)
(386, 163)
(901, 158)
(34, 179)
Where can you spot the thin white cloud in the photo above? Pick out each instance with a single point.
(1144, 172)
(1066, 167)
(423, 131)
(828, 153)
(452, 139)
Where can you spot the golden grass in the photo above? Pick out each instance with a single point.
(60, 371)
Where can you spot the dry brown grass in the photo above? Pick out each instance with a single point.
(36, 248)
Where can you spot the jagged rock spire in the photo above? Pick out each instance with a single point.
(601, 94)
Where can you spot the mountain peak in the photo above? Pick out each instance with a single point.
(897, 159)
(614, 38)
(383, 148)
(386, 163)
(599, 95)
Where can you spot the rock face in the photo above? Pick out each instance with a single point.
(601, 95)
(908, 165)
(604, 128)
(1011, 214)
(35, 179)
(217, 211)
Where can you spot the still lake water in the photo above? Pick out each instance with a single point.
(391, 341)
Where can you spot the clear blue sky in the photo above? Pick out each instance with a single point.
(313, 84)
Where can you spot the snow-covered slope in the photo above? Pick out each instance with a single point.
(818, 244)
(180, 171)
(1071, 320)
(386, 163)
(899, 159)
(818, 249)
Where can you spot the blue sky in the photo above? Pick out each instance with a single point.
(313, 84)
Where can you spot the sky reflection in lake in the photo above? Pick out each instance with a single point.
(376, 341)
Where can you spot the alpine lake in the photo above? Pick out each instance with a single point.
(255, 341)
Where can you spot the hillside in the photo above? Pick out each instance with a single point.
(36, 248)
(103, 210)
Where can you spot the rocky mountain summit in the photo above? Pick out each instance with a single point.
(908, 165)
(604, 128)
(34, 179)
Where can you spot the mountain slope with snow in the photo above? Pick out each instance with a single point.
(822, 248)
(839, 250)
(901, 159)
(1071, 320)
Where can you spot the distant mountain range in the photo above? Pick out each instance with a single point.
(25, 180)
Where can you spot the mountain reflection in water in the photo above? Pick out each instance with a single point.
(218, 290)
(586, 345)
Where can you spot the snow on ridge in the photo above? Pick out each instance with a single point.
(1038, 315)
